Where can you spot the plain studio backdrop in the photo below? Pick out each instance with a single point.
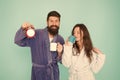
(102, 18)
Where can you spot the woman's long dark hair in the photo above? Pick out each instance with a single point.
(87, 43)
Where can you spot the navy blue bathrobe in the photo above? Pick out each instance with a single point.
(44, 61)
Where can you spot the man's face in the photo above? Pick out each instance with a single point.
(53, 24)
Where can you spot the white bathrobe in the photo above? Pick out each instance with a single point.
(79, 66)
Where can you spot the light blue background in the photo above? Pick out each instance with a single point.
(102, 18)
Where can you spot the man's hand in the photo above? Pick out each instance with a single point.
(26, 25)
(59, 49)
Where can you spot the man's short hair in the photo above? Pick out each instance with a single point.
(53, 13)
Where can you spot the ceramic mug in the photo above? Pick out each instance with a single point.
(71, 39)
(53, 46)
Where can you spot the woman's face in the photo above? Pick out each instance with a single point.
(78, 34)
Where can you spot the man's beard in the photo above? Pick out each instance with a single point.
(53, 31)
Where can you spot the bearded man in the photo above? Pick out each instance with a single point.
(45, 55)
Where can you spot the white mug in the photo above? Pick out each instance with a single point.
(53, 46)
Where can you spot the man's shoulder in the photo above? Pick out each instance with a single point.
(60, 38)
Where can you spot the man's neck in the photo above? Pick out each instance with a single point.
(50, 36)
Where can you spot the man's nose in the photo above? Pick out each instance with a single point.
(54, 23)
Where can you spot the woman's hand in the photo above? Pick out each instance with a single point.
(67, 43)
(96, 50)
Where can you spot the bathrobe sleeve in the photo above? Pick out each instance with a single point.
(67, 56)
(97, 62)
(20, 38)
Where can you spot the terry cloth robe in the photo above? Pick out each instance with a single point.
(79, 66)
(44, 61)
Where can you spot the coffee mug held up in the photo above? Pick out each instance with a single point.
(53, 46)
(71, 39)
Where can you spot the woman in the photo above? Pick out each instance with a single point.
(81, 57)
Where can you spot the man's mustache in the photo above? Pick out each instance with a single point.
(54, 26)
